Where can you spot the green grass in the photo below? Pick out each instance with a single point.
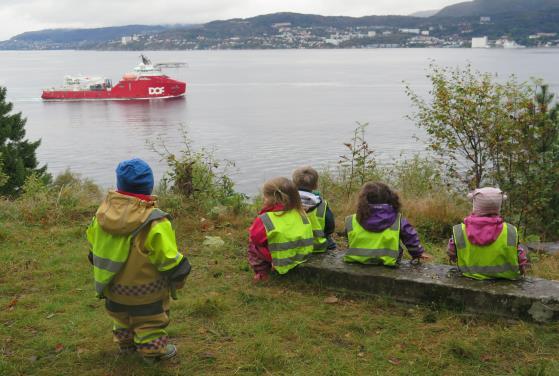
(223, 325)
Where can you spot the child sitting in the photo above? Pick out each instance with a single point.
(484, 246)
(317, 209)
(376, 232)
(136, 263)
(281, 237)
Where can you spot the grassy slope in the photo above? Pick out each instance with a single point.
(223, 324)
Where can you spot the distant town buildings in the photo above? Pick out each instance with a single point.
(480, 42)
(127, 39)
(409, 31)
(484, 20)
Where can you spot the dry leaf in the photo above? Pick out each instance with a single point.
(59, 347)
(361, 354)
(394, 361)
(12, 304)
(50, 316)
(208, 355)
(331, 300)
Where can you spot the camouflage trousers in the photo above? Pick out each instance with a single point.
(140, 328)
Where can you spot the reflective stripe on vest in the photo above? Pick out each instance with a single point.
(290, 238)
(111, 256)
(317, 217)
(369, 247)
(496, 260)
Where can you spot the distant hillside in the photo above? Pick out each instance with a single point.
(312, 20)
(75, 38)
(529, 22)
(93, 35)
(494, 7)
(425, 13)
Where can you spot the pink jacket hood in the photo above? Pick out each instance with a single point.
(483, 230)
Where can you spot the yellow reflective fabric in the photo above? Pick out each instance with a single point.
(496, 260)
(110, 251)
(290, 238)
(162, 245)
(317, 217)
(367, 247)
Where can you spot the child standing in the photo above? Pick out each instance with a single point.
(484, 246)
(322, 219)
(281, 237)
(136, 262)
(376, 232)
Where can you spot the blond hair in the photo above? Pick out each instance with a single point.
(281, 190)
(305, 177)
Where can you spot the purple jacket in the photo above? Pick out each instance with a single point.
(382, 216)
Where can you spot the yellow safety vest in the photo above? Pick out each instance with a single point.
(367, 247)
(290, 238)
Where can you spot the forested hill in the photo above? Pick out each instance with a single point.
(72, 38)
(495, 7)
(529, 22)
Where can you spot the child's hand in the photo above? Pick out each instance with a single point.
(424, 257)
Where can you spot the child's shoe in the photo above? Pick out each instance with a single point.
(170, 351)
(260, 277)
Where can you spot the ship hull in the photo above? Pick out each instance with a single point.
(143, 88)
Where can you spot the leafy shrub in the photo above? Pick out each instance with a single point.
(196, 178)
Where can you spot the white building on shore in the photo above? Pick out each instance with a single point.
(480, 42)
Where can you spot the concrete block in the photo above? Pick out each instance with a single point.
(549, 248)
(531, 299)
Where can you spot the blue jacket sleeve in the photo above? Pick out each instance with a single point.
(330, 222)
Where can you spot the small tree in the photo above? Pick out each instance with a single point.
(528, 167)
(502, 134)
(359, 164)
(17, 154)
(464, 117)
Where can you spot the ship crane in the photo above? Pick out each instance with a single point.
(170, 65)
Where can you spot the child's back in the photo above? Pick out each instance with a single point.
(484, 246)
(317, 208)
(281, 237)
(376, 232)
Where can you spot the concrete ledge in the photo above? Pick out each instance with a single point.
(549, 248)
(532, 299)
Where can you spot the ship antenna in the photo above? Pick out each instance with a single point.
(145, 60)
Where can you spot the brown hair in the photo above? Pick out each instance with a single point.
(375, 193)
(305, 177)
(281, 190)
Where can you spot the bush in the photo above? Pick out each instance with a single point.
(69, 198)
(196, 179)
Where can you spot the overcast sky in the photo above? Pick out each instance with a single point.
(17, 16)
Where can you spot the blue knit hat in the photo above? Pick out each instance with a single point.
(134, 176)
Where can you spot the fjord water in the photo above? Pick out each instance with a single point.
(268, 111)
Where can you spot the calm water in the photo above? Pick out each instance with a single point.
(269, 111)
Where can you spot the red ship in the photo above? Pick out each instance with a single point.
(146, 82)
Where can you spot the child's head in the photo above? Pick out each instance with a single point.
(305, 178)
(487, 201)
(281, 190)
(375, 193)
(134, 176)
